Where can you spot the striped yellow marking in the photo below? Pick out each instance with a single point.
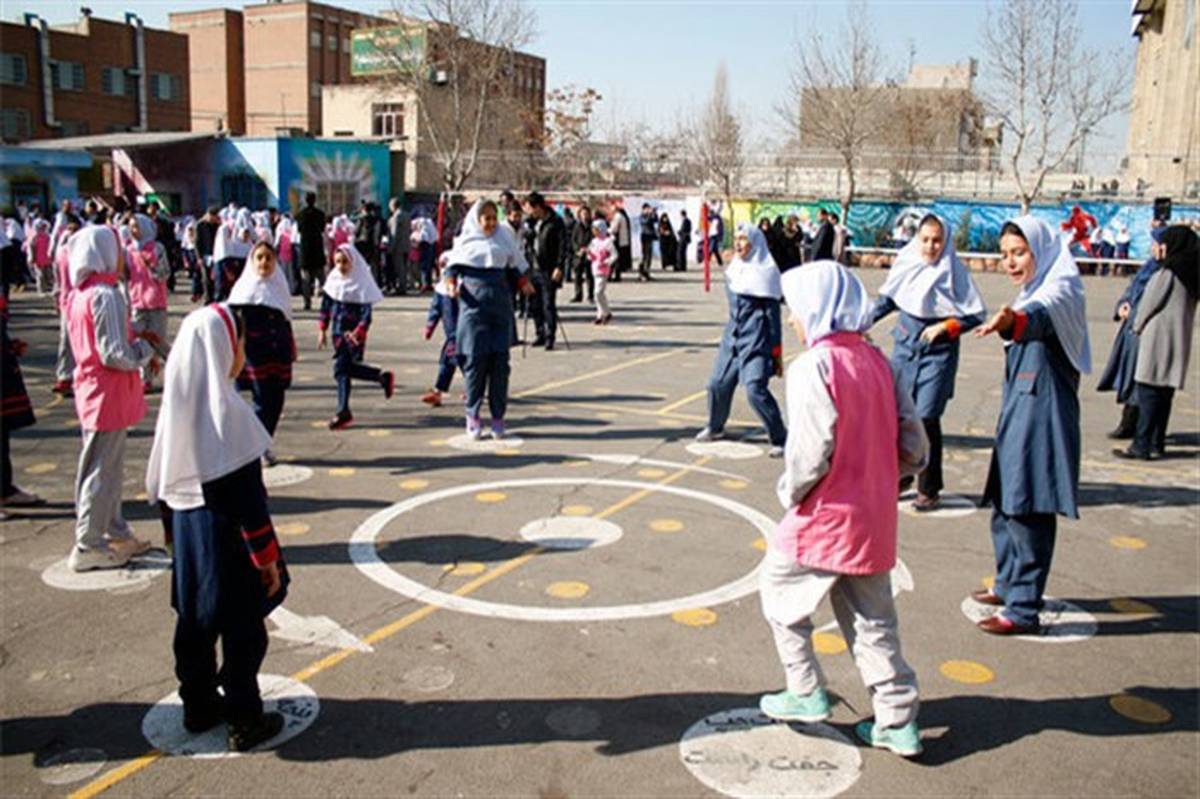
(570, 381)
(695, 617)
(106, 781)
(638, 496)
(437, 442)
(379, 433)
(966, 671)
(651, 473)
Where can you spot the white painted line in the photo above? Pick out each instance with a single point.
(733, 450)
(486, 444)
(316, 630)
(364, 555)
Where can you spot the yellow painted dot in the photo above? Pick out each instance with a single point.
(342, 471)
(966, 671)
(437, 442)
(760, 544)
(413, 483)
(1138, 709)
(491, 496)
(577, 510)
(828, 643)
(734, 485)
(568, 590)
(666, 525)
(507, 453)
(651, 472)
(988, 582)
(292, 528)
(1127, 542)
(1127, 605)
(141, 496)
(379, 433)
(41, 468)
(695, 617)
(466, 569)
(317, 425)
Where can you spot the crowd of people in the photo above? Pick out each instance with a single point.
(858, 427)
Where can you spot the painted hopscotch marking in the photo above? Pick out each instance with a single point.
(1062, 622)
(364, 555)
(743, 753)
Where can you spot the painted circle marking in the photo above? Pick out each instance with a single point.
(577, 510)
(743, 753)
(666, 525)
(414, 483)
(466, 569)
(365, 557)
(465, 443)
(652, 473)
(695, 617)
(490, 497)
(966, 671)
(734, 485)
(733, 450)
(829, 643)
(163, 723)
(1134, 606)
(568, 589)
(954, 506)
(1127, 542)
(41, 468)
(571, 532)
(73, 765)
(134, 576)
(342, 471)
(1062, 622)
(428, 679)
(285, 474)
(292, 528)
(573, 721)
(1138, 709)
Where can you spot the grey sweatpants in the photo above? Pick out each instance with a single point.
(98, 489)
(866, 615)
(64, 368)
(154, 320)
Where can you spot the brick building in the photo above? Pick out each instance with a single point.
(97, 76)
(261, 70)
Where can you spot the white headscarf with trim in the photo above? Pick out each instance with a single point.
(251, 288)
(827, 298)
(756, 275)
(359, 286)
(932, 291)
(93, 250)
(1056, 287)
(477, 249)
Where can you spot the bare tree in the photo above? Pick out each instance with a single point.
(713, 141)
(456, 59)
(1046, 87)
(835, 92)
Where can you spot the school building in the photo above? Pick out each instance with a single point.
(90, 76)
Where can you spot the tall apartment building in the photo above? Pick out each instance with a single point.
(91, 76)
(270, 78)
(1162, 153)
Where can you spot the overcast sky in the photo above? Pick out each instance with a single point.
(651, 58)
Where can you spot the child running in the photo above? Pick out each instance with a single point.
(227, 571)
(602, 254)
(346, 300)
(852, 431)
(443, 308)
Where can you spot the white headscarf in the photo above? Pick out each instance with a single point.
(358, 286)
(205, 430)
(932, 291)
(146, 229)
(477, 249)
(756, 275)
(236, 246)
(251, 288)
(93, 250)
(827, 298)
(1056, 287)
(221, 239)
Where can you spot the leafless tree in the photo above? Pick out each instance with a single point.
(456, 59)
(712, 141)
(835, 91)
(1046, 87)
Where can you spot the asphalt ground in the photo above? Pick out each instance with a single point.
(506, 659)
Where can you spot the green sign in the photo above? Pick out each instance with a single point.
(377, 51)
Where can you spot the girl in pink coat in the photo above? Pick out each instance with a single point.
(851, 432)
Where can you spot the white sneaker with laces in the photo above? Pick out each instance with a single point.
(86, 560)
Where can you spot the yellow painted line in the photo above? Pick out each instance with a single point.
(638, 496)
(570, 381)
(99, 786)
(679, 403)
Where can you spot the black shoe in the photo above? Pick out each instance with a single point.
(244, 736)
(1128, 424)
(576, 298)
(1131, 454)
(538, 342)
(549, 346)
(202, 717)
(906, 482)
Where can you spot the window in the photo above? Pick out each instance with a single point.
(166, 87)
(14, 124)
(332, 42)
(12, 69)
(314, 39)
(113, 80)
(387, 120)
(244, 188)
(75, 127)
(337, 197)
(66, 76)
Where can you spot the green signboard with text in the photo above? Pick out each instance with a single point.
(376, 51)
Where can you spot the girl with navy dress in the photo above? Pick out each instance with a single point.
(1034, 473)
(938, 302)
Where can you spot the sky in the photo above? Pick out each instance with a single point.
(652, 60)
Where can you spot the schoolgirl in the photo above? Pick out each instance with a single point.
(148, 269)
(938, 302)
(602, 257)
(346, 299)
(64, 365)
(443, 308)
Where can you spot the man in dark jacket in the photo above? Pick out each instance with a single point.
(823, 241)
(311, 224)
(581, 237)
(399, 233)
(549, 247)
(648, 222)
(685, 239)
(206, 237)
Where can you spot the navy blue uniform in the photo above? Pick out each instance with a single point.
(342, 318)
(270, 352)
(485, 325)
(749, 346)
(444, 309)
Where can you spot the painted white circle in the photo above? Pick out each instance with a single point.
(134, 576)
(743, 753)
(1062, 622)
(733, 450)
(954, 506)
(428, 679)
(571, 532)
(485, 444)
(573, 721)
(364, 555)
(163, 723)
(73, 765)
(285, 474)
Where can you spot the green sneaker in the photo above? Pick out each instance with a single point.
(904, 741)
(788, 706)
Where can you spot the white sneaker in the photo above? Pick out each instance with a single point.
(130, 547)
(86, 560)
(707, 435)
(775, 452)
